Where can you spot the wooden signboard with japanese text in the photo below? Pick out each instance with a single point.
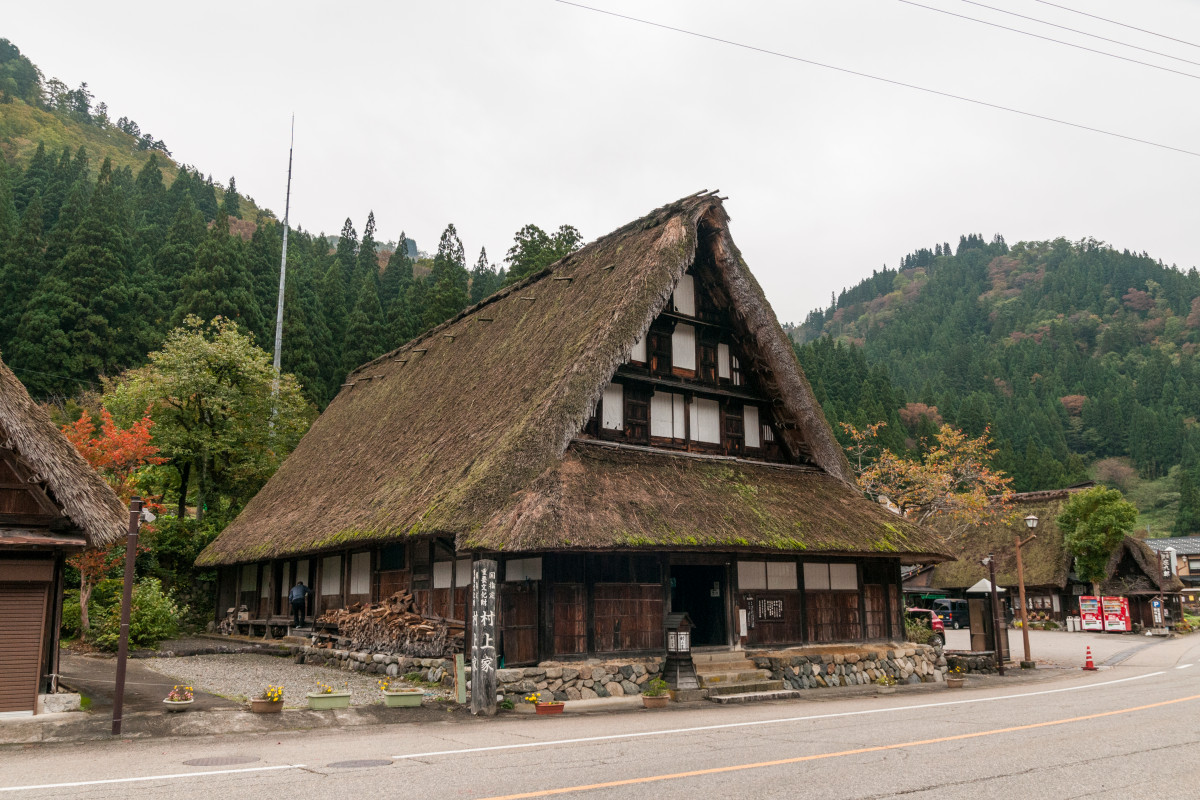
(483, 637)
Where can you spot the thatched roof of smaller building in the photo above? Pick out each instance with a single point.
(51, 461)
(1133, 568)
(1045, 559)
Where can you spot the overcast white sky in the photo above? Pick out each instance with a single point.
(493, 115)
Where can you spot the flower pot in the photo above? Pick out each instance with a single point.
(403, 698)
(550, 708)
(885, 690)
(656, 702)
(178, 705)
(260, 706)
(955, 683)
(323, 701)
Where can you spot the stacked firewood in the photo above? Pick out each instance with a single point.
(396, 626)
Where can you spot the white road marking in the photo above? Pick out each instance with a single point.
(556, 742)
(174, 776)
(1183, 666)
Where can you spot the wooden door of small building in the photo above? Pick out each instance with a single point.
(519, 622)
(22, 630)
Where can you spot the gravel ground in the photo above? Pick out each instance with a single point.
(239, 677)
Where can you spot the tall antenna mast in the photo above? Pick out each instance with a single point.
(283, 265)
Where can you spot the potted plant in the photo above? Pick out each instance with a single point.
(956, 677)
(179, 698)
(269, 701)
(325, 698)
(885, 684)
(544, 707)
(656, 694)
(396, 696)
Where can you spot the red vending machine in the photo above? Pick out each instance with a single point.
(1089, 613)
(1116, 614)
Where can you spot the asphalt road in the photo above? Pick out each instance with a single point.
(1130, 731)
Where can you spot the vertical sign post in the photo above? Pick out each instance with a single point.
(483, 638)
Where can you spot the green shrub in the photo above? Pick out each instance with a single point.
(154, 616)
(917, 630)
(71, 622)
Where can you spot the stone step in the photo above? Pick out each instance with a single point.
(718, 656)
(728, 665)
(755, 697)
(742, 687)
(688, 695)
(710, 678)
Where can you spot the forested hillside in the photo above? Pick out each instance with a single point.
(1081, 358)
(99, 261)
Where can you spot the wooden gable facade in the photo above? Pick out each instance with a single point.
(637, 440)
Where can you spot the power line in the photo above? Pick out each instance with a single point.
(51, 375)
(1049, 39)
(880, 78)
(1082, 33)
(1114, 22)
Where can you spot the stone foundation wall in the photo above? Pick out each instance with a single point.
(571, 680)
(978, 662)
(433, 670)
(914, 663)
(578, 680)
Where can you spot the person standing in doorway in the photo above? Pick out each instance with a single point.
(297, 595)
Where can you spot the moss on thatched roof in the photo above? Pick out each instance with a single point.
(1045, 559)
(661, 499)
(1133, 568)
(448, 434)
(53, 462)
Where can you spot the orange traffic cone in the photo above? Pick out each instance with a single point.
(1088, 664)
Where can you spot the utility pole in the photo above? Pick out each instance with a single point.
(997, 619)
(287, 203)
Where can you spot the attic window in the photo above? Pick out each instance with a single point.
(735, 370)
(684, 299)
(638, 354)
(706, 421)
(613, 406)
(667, 416)
(752, 428)
(723, 361)
(683, 348)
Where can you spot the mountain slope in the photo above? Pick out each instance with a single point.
(1080, 357)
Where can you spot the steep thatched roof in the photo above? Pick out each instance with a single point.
(56, 466)
(1045, 559)
(451, 433)
(1133, 568)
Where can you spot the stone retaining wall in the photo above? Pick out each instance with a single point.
(572, 680)
(433, 670)
(914, 663)
(578, 680)
(978, 662)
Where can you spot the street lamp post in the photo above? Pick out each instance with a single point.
(1031, 522)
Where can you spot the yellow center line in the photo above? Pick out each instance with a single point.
(818, 756)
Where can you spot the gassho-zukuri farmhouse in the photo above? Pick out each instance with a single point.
(627, 433)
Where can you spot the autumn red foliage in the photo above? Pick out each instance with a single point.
(117, 454)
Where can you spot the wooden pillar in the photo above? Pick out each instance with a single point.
(483, 638)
